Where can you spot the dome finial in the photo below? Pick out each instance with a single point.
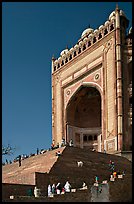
(53, 58)
(117, 7)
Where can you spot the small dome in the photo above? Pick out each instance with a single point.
(130, 30)
(112, 15)
(71, 49)
(87, 31)
(122, 13)
(90, 35)
(59, 58)
(80, 43)
(85, 39)
(64, 52)
(106, 23)
(76, 46)
(101, 27)
(96, 31)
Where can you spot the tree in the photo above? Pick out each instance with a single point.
(7, 150)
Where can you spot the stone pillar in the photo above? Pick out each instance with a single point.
(81, 140)
(99, 142)
(67, 132)
(118, 80)
(52, 82)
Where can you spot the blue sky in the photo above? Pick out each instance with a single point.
(31, 33)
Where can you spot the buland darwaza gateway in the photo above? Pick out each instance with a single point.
(92, 88)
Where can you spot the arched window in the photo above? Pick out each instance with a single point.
(89, 43)
(100, 36)
(66, 60)
(79, 50)
(95, 137)
(84, 47)
(85, 138)
(74, 53)
(111, 27)
(94, 39)
(58, 65)
(54, 68)
(105, 31)
(62, 63)
(90, 138)
(70, 57)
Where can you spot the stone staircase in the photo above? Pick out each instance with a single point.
(94, 163)
(63, 168)
(25, 174)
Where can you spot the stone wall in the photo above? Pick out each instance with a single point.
(42, 181)
(78, 196)
(15, 189)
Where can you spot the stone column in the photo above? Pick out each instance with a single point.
(53, 111)
(99, 142)
(118, 80)
(81, 140)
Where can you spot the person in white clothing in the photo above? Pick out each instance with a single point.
(67, 187)
(58, 188)
(49, 190)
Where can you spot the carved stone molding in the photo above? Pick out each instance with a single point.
(108, 45)
(68, 92)
(97, 77)
(57, 78)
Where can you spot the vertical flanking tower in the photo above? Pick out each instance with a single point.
(92, 88)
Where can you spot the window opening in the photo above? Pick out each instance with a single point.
(100, 36)
(74, 53)
(90, 138)
(111, 27)
(79, 50)
(70, 57)
(94, 39)
(89, 43)
(84, 47)
(105, 31)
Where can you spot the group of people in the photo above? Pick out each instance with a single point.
(42, 151)
(113, 172)
(24, 156)
(61, 144)
(58, 189)
(113, 176)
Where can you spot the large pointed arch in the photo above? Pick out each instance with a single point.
(83, 116)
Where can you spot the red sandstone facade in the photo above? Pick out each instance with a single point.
(92, 88)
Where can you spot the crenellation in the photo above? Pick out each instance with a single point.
(84, 43)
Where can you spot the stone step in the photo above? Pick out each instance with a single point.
(12, 173)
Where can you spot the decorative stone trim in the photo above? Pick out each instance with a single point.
(57, 78)
(84, 43)
(68, 92)
(108, 45)
(96, 77)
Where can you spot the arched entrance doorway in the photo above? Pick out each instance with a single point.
(83, 118)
